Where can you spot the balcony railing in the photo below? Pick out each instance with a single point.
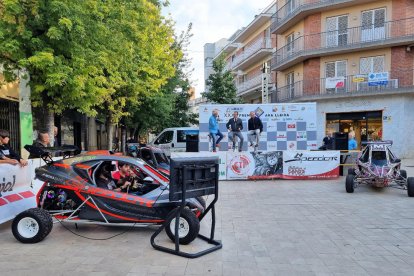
(390, 33)
(249, 84)
(294, 7)
(252, 49)
(398, 81)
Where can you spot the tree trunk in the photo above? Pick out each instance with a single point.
(50, 125)
(110, 132)
(123, 139)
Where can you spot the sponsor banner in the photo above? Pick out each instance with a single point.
(338, 82)
(267, 165)
(359, 78)
(222, 159)
(377, 79)
(16, 189)
(239, 165)
(282, 124)
(310, 164)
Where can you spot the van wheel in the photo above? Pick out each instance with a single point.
(32, 226)
(188, 227)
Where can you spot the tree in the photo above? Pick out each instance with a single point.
(221, 83)
(169, 106)
(92, 56)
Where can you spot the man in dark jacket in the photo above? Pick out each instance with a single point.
(42, 141)
(235, 126)
(7, 153)
(255, 127)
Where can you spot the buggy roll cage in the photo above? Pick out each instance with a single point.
(47, 154)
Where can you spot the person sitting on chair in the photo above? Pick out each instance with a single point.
(255, 127)
(235, 125)
(214, 130)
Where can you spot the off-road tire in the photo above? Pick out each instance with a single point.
(410, 186)
(193, 222)
(202, 201)
(349, 183)
(351, 171)
(403, 173)
(43, 219)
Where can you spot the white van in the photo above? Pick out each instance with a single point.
(174, 139)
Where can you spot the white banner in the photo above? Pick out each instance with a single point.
(221, 155)
(310, 164)
(337, 82)
(290, 126)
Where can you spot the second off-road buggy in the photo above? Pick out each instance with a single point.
(153, 156)
(379, 167)
(73, 193)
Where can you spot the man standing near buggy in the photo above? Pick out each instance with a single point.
(255, 127)
(235, 125)
(7, 153)
(214, 130)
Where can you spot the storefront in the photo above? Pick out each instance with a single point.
(385, 117)
(365, 126)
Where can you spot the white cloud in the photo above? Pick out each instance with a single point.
(212, 20)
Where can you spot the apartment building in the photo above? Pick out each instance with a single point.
(355, 59)
(247, 52)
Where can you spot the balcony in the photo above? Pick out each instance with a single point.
(392, 33)
(295, 10)
(255, 52)
(250, 85)
(399, 82)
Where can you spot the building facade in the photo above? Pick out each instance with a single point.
(246, 54)
(355, 59)
(210, 51)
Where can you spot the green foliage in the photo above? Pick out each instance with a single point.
(90, 55)
(221, 83)
(169, 106)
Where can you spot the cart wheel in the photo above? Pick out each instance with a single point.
(202, 201)
(188, 227)
(403, 173)
(349, 184)
(351, 171)
(410, 186)
(32, 226)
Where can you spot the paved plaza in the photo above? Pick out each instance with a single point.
(267, 228)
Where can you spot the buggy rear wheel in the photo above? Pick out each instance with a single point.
(349, 183)
(32, 226)
(188, 227)
(403, 173)
(351, 171)
(410, 186)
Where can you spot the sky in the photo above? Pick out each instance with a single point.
(212, 20)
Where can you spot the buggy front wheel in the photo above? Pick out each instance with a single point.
(349, 183)
(188, 227)
(410, 186)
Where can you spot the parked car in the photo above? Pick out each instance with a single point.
(174, 139)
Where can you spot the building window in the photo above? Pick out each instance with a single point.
(337, 31)
(290, 85)
(335, 69)
(372, 65)
(373, 25)
(290, 43)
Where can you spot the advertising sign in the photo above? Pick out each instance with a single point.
(289, 126)
(337, 82)
(16, 189)
(310, 164)
(377, 79)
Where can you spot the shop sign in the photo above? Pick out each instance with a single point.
(377, 79)
(338, 82)
(359, 78)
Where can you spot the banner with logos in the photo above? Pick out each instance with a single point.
(337, 82)
(311, 164)
(275, 164)
(289, 126)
